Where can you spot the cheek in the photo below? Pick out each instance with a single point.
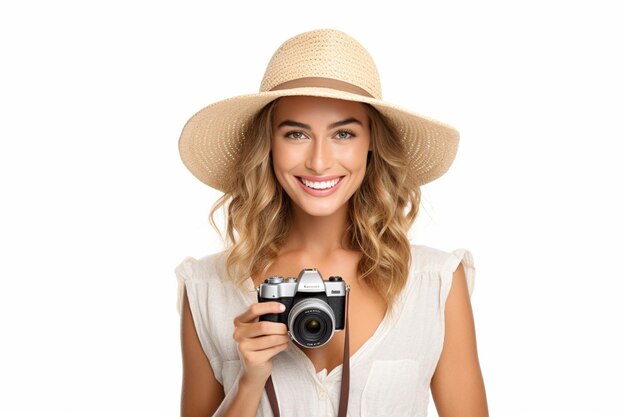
(284, 157)
(353, 156)
(281, 162)
(277, 169)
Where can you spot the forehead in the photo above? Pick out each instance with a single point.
(308, 107)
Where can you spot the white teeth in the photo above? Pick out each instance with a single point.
(320, 185)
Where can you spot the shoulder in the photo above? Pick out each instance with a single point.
(426, 258)
(211, 266)
(443, 266)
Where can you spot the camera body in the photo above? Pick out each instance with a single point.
(314, 308)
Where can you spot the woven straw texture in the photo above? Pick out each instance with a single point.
(211, 139)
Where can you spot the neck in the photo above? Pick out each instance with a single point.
(318, 235)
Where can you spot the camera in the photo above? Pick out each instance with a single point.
(314, 308)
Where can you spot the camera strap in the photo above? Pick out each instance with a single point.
(345, 375)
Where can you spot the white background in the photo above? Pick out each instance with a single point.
(97, 208)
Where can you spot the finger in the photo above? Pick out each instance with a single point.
(256, 329)
(265, 328)
(267, 354)
(258, 309)
(260, 344)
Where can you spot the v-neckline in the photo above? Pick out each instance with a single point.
(378, 334)
(382, 328)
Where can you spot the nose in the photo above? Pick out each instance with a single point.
(320, 157)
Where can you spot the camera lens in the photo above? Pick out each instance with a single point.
(312, 326)
(311, 322)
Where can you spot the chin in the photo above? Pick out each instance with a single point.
(320, 213)
(324, 211)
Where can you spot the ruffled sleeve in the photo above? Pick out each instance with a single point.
(183, 272)
(456, 257)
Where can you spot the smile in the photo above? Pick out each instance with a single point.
(320, 185)
(321, 188)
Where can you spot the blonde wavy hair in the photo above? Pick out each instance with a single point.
(258, 211)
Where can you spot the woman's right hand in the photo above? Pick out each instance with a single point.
(259, 341)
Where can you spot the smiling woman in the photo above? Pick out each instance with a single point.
(321, 179)
(323, 159)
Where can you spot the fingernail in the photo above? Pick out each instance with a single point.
(281, 307)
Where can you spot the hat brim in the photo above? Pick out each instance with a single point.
(211, 138)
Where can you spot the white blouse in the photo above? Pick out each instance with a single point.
(390, 373)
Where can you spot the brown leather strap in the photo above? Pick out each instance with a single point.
(345, 372)
(269, 388)
(322, 82)
(345, 375)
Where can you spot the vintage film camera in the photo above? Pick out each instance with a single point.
(314, 308)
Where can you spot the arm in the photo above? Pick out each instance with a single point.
(201, 393)
(457, 385)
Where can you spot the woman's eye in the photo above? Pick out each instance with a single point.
(294, 135)
(345, 134)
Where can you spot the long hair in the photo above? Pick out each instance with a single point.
(380, 212)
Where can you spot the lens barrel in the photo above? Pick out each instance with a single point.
(311, 322)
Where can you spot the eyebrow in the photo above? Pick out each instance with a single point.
(330, 126)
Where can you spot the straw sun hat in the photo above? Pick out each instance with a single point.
(324, 63)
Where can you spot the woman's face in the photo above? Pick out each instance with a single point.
(319, 149)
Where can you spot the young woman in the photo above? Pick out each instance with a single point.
(319, 172)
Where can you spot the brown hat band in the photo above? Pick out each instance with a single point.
(322, 82)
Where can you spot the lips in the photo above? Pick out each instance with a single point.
(327, 186)
(320, 185)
